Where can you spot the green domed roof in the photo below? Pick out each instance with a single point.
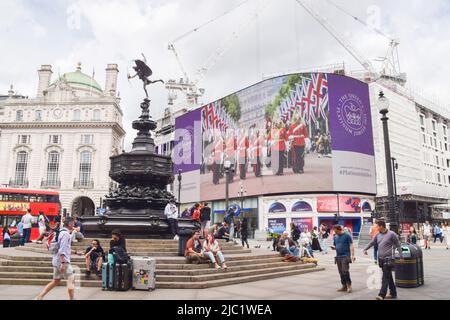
(80, 79)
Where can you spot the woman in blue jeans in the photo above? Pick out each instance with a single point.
(211, 250)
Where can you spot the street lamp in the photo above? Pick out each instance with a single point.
(394, 170)
(179, 189)
(242, 193)
(383, 106)
(228, 168)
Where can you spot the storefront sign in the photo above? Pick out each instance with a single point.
(346, 204)
(277, 225)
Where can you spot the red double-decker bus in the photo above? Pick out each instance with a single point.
(14, 203)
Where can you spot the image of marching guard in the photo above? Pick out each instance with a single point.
(256, 150)
(217, 156)
(242, 148)
(298, 133)
(278, 138)
(230, 151)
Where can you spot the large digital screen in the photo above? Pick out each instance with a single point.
(309, 132)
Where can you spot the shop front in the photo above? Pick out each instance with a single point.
(307, 212)
(248, 210)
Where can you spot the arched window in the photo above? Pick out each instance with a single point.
(21, 168)
(85, 168)
(53, 168)
(76, 115)
(19, 115)
(96, 115)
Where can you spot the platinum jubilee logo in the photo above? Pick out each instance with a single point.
(351, 114)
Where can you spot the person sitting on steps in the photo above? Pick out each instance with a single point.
(193, 251)
(287, 247)
(94, 256)
(213, 251)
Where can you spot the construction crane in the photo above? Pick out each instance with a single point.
(390, 61)
(188, 86)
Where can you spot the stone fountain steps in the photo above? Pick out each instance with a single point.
(20, 266)
(139, 252)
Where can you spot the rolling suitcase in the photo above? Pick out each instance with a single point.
(105, 276)
(123, 276)
(144, 273)
(111, 272)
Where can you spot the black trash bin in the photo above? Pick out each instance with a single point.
(183, 237)
(409, 271)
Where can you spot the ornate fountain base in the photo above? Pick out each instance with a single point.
(136, 207)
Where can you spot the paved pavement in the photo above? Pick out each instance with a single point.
(314, 286)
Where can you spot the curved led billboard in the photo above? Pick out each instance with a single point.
(309, 132)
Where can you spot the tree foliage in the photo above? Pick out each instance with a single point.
(282, 94)
(232, 106)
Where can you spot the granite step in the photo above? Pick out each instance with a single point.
(225, 274)
(211, 270)
(231, 281)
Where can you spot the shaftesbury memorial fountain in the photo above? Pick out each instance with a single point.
(136, 207)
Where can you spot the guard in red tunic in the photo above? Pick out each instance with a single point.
(217, 153)
(278, 150)
(298, 132)
(230, 151)
(256, 148)
(242, 148)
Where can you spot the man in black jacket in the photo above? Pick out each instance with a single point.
(205, 218)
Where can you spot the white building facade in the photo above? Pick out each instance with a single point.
(62, 139)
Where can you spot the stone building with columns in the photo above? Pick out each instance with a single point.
(62, 138)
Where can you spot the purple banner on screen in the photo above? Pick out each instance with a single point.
(191, 142)
(350, 117)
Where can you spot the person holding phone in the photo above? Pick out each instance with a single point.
(345, 254)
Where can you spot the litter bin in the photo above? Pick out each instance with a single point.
(183, 237)
(409, 271)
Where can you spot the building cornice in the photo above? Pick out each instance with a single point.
(64, 125)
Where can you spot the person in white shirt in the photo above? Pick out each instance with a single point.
(446, 233)
(426, 231)
(27, 221)
(171, 212)
(42, 227)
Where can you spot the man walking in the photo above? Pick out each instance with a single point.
(27, 221)
(171, 212)
(426, 231)
(386, 241)
(205, 217)
(61, 262)
(345, 254)
(298, 132)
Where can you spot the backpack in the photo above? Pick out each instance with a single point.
(120, 254)
(196, 215)
(53, 247)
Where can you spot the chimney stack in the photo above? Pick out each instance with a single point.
(112, 72)
(45, 75)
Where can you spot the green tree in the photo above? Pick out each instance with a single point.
(232, 106)
(282, 94)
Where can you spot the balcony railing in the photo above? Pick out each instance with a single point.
(18, 183)
(54, 184)
(84, 184)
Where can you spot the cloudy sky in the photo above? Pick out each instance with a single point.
(267, 37)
